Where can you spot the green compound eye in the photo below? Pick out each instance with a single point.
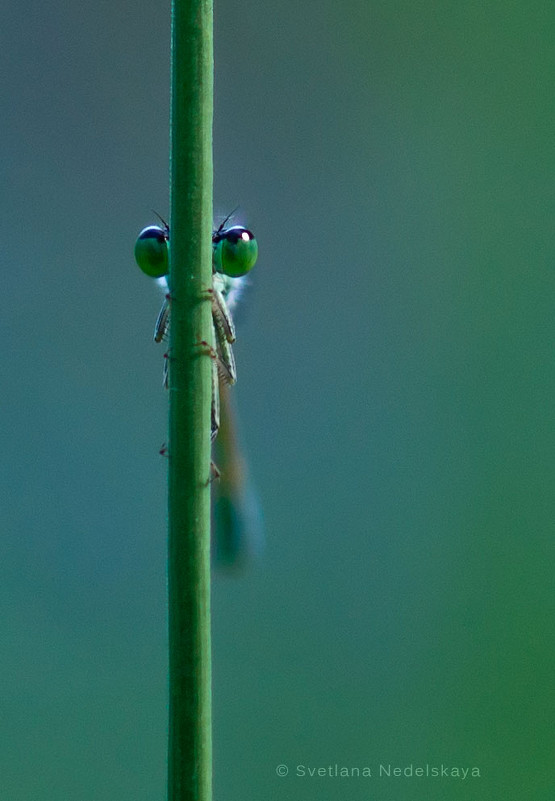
(235, 251)
(151, 251)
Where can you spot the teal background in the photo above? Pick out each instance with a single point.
(396, 377)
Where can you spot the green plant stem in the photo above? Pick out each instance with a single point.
(190, 734)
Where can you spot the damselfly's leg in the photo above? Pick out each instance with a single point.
(162, 326)
(166, 371)
(225, 359)
(223, 367)
(222, 316)
(215, 408)
(161, 333)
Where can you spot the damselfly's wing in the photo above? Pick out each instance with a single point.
(237, 525)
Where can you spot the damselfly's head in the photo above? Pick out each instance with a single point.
(235, 250)
(151, 250)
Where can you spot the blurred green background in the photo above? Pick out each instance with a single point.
(396, 377)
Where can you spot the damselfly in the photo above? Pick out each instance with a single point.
(234, 253)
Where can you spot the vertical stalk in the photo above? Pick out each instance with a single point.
(190, 735)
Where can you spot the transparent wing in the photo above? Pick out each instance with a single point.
(238, 527)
